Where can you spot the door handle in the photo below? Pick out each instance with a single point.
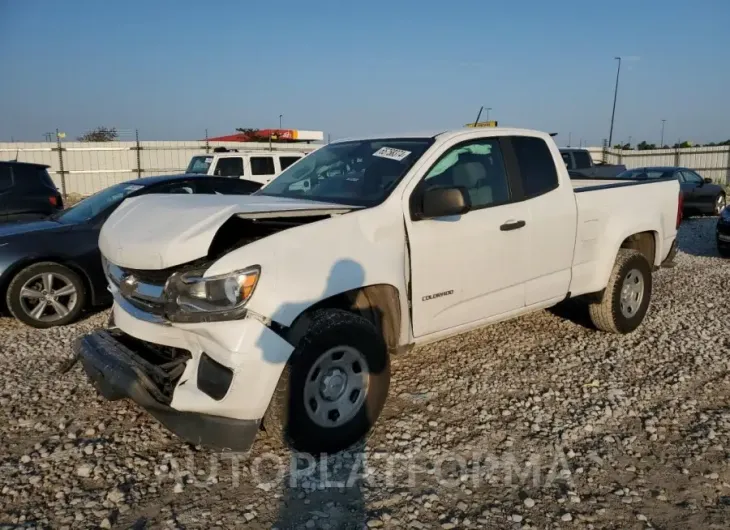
(512, 225)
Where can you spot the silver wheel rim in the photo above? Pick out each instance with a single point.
(336, 386)
(720, 204)
(632, 293)
(48, 297)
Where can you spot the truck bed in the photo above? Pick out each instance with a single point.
(585, 184)
(609, 210)
(591, 184)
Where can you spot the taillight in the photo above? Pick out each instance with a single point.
(53, 200)
(680, 207)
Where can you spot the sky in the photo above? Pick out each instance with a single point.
(174, 68)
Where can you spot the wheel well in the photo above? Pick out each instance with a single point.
(643, 242)
(16, 268)
(380, 304)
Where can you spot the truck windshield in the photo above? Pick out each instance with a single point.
(361, 173)
(199, 165)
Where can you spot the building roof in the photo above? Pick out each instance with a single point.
(279, 135)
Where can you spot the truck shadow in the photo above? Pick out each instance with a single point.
(576, 311)
(325, 491)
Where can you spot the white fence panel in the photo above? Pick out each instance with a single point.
(712, 162)
(92, 166)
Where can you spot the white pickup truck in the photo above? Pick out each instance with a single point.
(284, 307)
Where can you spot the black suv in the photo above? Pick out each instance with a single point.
(26, 192)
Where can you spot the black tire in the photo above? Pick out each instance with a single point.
(19, 309)
(718, 206)
(723, 250)
(287, 418)
(607, 314)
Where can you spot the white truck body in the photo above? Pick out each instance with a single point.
(444, 275)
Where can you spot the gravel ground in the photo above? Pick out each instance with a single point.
(539, 422)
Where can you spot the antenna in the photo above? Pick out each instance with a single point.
(478, 115)
(17, 153)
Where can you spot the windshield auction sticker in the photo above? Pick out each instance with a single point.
(391, 153)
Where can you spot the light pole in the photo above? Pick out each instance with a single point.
(615, 93)
(280, 115)
(661, 144)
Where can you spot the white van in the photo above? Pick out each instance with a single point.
(255, 165)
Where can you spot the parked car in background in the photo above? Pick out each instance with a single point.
(722, 233)
(580, 165)
(50, 269)
(700, 195)
(27, 192)
(287, 304)
(258, 166)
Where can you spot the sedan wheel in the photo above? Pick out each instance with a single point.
(48, 297)
(720, 204)
(45, 295)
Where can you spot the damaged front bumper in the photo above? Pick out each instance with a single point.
(209, 383)
(117, 372)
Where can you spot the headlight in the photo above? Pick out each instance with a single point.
(190, 297)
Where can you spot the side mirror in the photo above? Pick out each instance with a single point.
(445, 201)
(708, 180)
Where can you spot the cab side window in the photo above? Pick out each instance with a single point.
(582, 158)
(184, 187)
(537, 167)
(262, 165)
(692, 177)
(478, 167)
(287, 161)
(229, 167)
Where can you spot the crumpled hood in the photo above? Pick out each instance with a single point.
(159, 231)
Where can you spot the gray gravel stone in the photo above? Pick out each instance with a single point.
(641, 420)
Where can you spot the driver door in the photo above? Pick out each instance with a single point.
(469, 268)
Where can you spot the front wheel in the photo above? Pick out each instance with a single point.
(46, 294)
(626, 299)
(334, 387)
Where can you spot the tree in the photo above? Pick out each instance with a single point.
(644, 146)
(100, 134)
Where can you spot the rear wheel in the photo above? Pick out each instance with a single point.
(720, 203)
(334, 387)
(626, 299)
(46, 294)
